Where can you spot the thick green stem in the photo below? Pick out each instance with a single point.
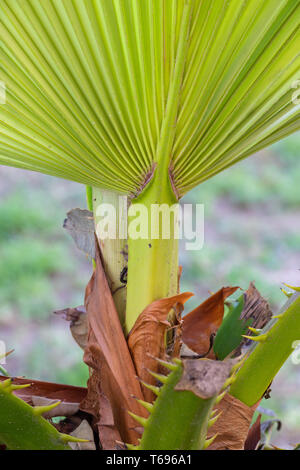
(153, 261)
(182, 413)
(275, 344)
(111, 229)
(153, 258)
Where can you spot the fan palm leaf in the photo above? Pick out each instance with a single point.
(99, 91)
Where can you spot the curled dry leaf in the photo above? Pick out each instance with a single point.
(266, 429)
(57, 392)
(146, 340)
(233, 425)
(204, 377)
(107, 353)
(200, 324)
(78, 323)
(256, 309)
(80, 225)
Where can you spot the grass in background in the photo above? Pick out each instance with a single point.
(252, 232)
(40, 271)
(252, 225)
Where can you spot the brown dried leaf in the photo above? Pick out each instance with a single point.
(174, 341)
(108, 432)
(96, 402)
(204, 377)
(90, 404)
(80, 225)
(254, 435)
(57, 392)
(146, 340)
(98, 405)
(107, 353)
(257, 309)
(233, 425)
(200, 324)
(84, 431)
(78, 323)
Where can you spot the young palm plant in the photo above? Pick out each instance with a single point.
(147, 99)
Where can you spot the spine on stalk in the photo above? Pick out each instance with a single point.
(183, 411)
(271, 349)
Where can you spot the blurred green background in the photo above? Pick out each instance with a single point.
(252, 233)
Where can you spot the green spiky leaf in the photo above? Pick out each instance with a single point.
(22, 427)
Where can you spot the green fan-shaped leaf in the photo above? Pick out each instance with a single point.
(98, 91)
